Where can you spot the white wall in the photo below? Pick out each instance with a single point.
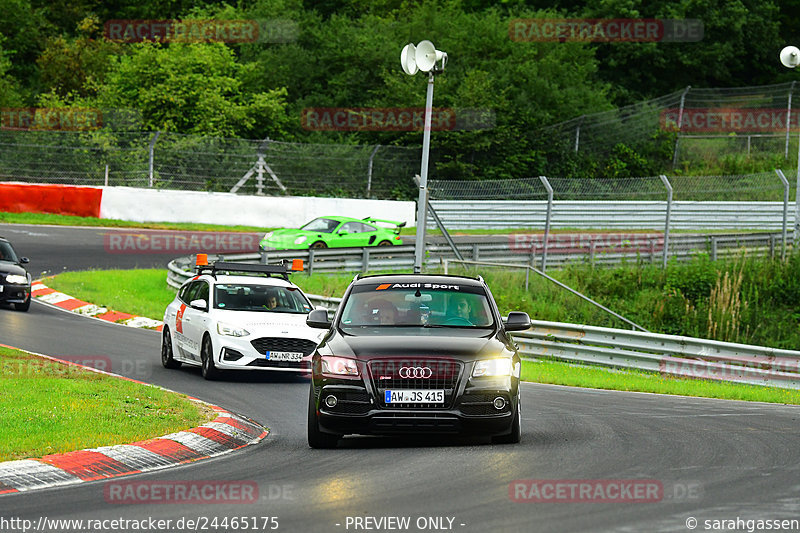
(152, 205)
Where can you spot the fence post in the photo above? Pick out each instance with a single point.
(785, 211)
(788, 119)
(106, 180)
(713, 248)
(152, 150)
(365, 260)
(369, 170)
(680, 125)
(310, 261)
(547, 222)
(578, 132)
(668, 186)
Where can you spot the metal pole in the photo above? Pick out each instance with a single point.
(369, 170)
(796, 240)
(788, 119)
(152, 147)
(785, 211)
(547, 221)
(668, 185)
(578, 132)
(680, 125)
(422, 215)
(106, 176)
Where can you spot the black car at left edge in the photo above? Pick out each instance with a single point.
(15, 281)
(415, 354)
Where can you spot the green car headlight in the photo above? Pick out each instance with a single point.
(267, 235)
(301, 239)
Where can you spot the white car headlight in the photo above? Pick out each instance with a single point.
(492, 367)
(267, 235)
(301, 239)
(16, 279)
(231, 331)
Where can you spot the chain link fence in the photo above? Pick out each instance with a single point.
(199, 163)
(697, 124)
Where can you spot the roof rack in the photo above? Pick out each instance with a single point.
(281, 270)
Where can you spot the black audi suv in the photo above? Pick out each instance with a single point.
(415, 353)
(15, 282)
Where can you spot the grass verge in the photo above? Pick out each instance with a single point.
(558, 373)
(145, 293)
(68, 220)
(41, 412)
(141, 292)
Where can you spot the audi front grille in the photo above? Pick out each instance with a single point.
(392, 374)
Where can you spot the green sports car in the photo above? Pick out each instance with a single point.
(335, 232)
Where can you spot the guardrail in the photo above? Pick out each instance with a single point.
(665, 354)
(618, 348)
(521, 249)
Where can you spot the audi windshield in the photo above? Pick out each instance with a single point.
(420, 305)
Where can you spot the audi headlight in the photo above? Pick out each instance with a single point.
(492, 367)
(301, 239)
(16, 279)
(338, 366)
(231, 331)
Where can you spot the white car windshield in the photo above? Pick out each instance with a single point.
(251, 297)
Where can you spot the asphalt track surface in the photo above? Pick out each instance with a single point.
(716, 460)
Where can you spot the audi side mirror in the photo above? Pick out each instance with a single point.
(318, 318)
(518, 321)
(24, 260)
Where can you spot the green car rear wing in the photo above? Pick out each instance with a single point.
(396, 229)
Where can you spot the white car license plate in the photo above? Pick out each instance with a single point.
(414, 396)
(284, 356)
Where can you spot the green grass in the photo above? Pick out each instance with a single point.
(47, 407)
(139, 292)
(67, 220)
(559, 373)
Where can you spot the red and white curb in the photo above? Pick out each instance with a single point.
(50, 296)
(226, 433)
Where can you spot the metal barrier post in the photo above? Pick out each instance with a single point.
(547, 222)
(668, 186)
(152, 150)
(785, 211)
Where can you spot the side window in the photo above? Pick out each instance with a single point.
(351, 227)
(202, 292)
(186, 292)
(367, 227)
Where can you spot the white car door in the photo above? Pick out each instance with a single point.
(194, 321)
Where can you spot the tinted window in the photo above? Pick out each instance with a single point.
(397, 304)
(7, 252)
(352, 227)
(322, 225)
(245, 297)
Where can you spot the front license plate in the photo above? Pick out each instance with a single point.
(414, 396)
(284, 356)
